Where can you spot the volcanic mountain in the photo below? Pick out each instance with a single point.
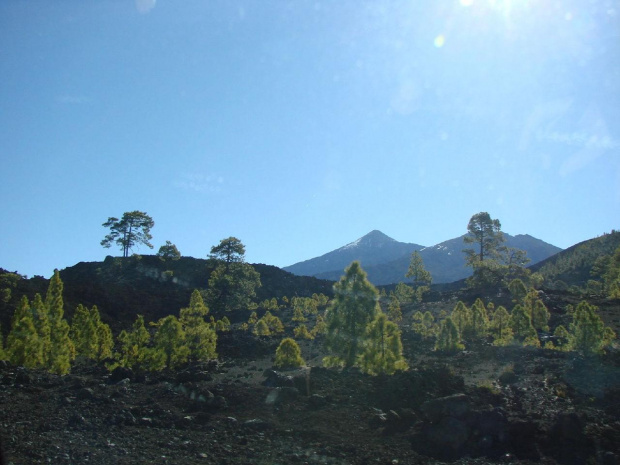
(386, 260)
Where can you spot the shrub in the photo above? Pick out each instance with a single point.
(288, 354)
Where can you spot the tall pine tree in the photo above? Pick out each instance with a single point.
(353, 307)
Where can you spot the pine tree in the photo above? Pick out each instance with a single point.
(253, 319)
(587, 331)
(273, 323)
(84, 333)
(170, 339)
(223, 325)
(448, 339)
(23, 344)
(133, 344)
(40, 318)
(479, 319)
(394, 312)
(298, 315)
(521, 325)
(461, 317)
(62, 350)
(301, 332)
(503, 334)
(562, 337)
(353, 307)
(288, 355)
(105, 341)
(261, 328)
(420, 278)
(383, 352)
(540, 316)
(201, 338)
(320, 327)
(233, 283)
(517, 290)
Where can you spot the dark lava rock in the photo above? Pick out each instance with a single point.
(121, 373)
(523, 436)
(455, 406)
(257, 424)
(569, 444)
(444, 440)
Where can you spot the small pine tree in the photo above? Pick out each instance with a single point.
(518, 291)
(587, 331)
(200, 336)
(502, 332)
(301, 332)
(105, 341)
(273, 323)
(253, 319)
(540, 316)
(23, 344)
(395, 314)
(383, 353)
(84, 334)
(562, 337)
(320, 327)
(461, 317)
(133, 345)
(521, 325)
(479, 319)
(261, 328)
(298, 315)
(223, 325)
(62, 350)
(40, 316)
(170, 339)
(448, 339)
(288, 355)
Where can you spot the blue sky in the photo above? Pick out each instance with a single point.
(299, 126)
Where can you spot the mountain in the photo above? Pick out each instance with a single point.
(445, 261)
(372, 249)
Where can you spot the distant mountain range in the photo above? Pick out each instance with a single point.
(386, 260)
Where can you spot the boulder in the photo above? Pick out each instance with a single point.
(455, 406)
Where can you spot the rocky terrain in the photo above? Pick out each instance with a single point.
(482, 405)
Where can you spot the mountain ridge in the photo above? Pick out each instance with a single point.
(445, 260)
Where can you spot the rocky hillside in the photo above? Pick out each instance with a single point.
(124, 287)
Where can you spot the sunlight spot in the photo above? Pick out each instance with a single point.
(439, 41)
(467, 2)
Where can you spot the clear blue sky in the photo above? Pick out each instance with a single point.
(299, 126)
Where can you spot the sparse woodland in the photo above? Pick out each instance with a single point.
(380, 333)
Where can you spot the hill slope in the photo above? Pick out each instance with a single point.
(124, 287)
(573, 265)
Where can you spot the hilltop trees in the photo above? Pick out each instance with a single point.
(169, 251)
(233, 282)
(134, 228)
